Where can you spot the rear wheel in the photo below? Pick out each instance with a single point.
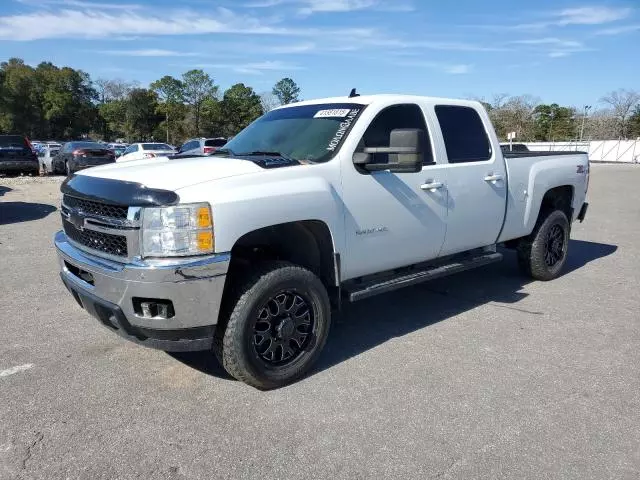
(276, 327)
(542, 254)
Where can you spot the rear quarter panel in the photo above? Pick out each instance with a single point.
(530, 178)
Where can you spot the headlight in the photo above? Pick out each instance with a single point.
(177, 231)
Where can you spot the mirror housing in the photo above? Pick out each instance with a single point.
(406, 150)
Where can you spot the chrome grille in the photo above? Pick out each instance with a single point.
(106, 230)
(95, 208)
(103, 242)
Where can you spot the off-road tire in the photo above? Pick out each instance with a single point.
(233, 341)
(532, 249)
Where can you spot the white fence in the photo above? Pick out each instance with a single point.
(623, 151)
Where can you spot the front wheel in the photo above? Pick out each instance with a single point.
(277, 326)
(542, 254)
(67, 169)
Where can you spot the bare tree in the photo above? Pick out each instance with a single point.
(622, 103)
(601, 125)
(115, 89)
(514, 114)
(269, 101)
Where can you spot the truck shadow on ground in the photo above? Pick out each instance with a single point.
(17, 212)
(367, 324)
(4, 190)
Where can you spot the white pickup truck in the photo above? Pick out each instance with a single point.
(247, 252)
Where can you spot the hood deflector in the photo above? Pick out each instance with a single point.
(118, 192)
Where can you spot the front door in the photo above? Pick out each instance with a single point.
(392, 219)
(476, 180)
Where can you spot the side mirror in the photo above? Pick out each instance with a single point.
(406, 151)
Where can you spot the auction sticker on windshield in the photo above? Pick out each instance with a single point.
(335, 113)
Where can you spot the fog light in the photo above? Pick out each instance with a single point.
(153, 308)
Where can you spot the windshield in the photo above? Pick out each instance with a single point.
(310, 132)
(156, 146)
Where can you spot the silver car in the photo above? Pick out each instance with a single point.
(201, 146)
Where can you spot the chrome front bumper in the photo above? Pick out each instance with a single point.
(193, 286)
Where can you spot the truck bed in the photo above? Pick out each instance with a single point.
(508, 154)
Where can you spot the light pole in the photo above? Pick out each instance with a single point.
(584, 119)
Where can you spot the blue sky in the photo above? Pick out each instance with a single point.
(568, 52)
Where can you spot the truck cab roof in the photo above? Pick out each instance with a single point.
(386, 98)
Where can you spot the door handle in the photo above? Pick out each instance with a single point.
(431, 186)
(492, 178)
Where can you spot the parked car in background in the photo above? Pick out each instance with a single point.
(201, 146)
(117, 148)
(139, 151)
(46, 154)
(17, 155)
(74, 156)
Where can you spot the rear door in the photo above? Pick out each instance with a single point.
(476, 179)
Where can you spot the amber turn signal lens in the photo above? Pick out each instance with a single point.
(205, 241)
(204, 217)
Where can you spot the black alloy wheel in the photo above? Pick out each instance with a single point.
(283, 328)
(554, 245)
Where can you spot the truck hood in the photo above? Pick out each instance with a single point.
(163, 173)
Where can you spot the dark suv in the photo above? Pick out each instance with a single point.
(17, 155)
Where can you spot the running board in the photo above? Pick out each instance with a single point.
(361, 291)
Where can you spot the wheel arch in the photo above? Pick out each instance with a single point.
(307, 243)
(557, 198)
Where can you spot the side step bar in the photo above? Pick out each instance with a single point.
(369, 289)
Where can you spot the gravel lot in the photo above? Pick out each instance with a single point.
(480, 375)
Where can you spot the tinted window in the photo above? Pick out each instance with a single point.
(15, 141)
(156, 146)
(464, 135)
(215, 142)
(399, 116)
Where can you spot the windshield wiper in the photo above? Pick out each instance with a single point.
(223, 151)
(266, 154)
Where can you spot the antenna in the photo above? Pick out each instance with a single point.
(353, 93)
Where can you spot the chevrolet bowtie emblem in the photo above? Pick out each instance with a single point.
(76, 220)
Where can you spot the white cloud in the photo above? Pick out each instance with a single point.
(151, 52)
(457, 69)
(450, 68)
(559, 54)
(83, 4)
(619, 30)
(595, 15)
(309, 7)
(112, 24)
(251, 68)
(549, 41)
(554, 47)
(585, 15)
